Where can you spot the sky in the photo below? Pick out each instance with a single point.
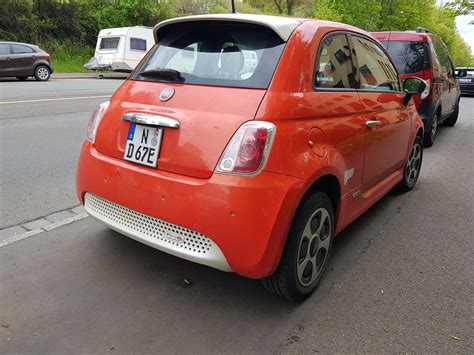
(466, 30)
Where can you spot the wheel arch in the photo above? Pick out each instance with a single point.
(419, 133)
(44, 64)
(330, 185)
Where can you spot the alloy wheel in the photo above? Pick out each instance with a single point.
(313, 249)
(412, 168)
(42, 73)
(434, 127)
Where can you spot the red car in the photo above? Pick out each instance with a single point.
(246, 143)
(423, 54)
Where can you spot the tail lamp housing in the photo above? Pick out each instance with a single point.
(95, 120)
(248, 150)
(426, 75)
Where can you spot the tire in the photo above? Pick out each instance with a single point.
(307, 250)
(42, 73)
(22, 78)
(412, 169)
(430, 133)
(451, 120)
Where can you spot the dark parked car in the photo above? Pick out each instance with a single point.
(422, 54)
(465, 78)
(22, 60)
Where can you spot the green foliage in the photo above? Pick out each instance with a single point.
(363, 13)
(69, 28)
(400, 15)
(68, 57)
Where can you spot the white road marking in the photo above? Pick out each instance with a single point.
(57, 99)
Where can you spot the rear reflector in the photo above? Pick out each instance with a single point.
(248, 149)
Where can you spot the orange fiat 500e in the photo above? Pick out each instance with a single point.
(247, 142)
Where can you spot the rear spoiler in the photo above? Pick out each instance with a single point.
(282, 26)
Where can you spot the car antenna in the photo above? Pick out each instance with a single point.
(232, 7)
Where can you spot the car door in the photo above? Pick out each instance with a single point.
(386, 118)
(4, 58)
(23, 59)
(336, 105)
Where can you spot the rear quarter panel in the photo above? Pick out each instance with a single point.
(332, 121)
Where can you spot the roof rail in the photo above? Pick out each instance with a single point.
(422, 30)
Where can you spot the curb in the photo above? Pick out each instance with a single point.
(87, 76)
(55, 220)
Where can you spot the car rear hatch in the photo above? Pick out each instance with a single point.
(210, 77)
(410, 54)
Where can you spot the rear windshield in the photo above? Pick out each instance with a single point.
(217, 54)
(109, 43)
(409, 56)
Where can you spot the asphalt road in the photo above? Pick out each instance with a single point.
(42, 127)
(400, 279)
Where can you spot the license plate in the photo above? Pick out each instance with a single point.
(143, 144)
(464, 80)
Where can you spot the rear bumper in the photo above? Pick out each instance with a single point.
(467, 89)
(246, 218)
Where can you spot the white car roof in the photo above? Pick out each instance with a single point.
(283, 26)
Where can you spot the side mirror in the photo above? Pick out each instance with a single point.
(414, 85)
(461, 73)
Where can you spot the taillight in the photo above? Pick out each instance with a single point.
(248, 149)
(95, 120)
(426, 76)
(47, 56)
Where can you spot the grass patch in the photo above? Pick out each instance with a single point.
(68, 57)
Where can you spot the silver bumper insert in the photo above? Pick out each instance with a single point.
(168, 237)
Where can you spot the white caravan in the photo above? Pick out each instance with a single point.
(121, 49)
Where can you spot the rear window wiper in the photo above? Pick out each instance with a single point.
(165, 74)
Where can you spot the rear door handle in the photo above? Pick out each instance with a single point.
(373, 123)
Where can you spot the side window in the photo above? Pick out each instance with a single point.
(334, 65)
(109, 43)
(450, 66)
(376, 70)
(4, 49)
(442, 54)
(19, 49)
(138, 44)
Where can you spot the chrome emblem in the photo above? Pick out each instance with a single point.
(175, 238)
(167, 94)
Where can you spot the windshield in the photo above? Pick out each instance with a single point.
(218, 54)
(409, 56)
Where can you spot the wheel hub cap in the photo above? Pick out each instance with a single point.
(42, 73)
(412, 168)
(314, 247)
